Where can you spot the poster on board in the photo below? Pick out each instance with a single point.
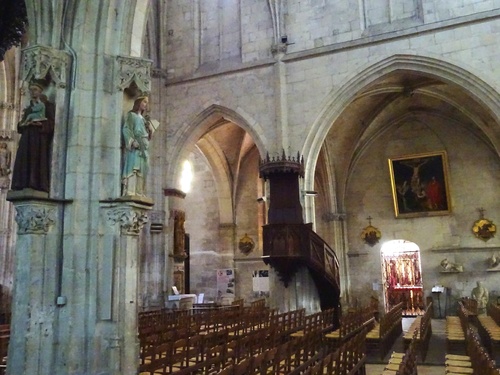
(225, 283)
(260, 282)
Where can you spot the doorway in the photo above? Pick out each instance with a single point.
(402, 277)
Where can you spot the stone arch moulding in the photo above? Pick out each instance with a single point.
(188, 134)
(339, 99)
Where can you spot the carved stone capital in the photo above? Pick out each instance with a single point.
(8, 105)
(131, 219)
(34, 218)
(133, 69)
(38, 61)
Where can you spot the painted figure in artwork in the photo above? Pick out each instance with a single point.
(137, 132)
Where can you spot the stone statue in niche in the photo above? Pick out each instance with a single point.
(5, 159)
(447, 266)
(494, 262)
(33, 159)
(481, 295)
(179, 235)
(137, 132)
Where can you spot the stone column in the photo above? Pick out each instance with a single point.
(152, 262)
(336, 223)
(118, 284)
(176, 257)
(36, 286)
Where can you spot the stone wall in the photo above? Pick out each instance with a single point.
(473, 177)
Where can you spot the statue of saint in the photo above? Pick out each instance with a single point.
(32, 164)
(481, 295)
(447, 266)
(137, 131)
(5, 158)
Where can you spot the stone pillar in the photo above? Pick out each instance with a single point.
(36, 286)
(118, 284)
(338, 236)
(176, 254)
(152, 262)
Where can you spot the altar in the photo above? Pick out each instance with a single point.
(174, 301)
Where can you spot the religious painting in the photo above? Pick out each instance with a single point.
(401, 273)
(420, 185)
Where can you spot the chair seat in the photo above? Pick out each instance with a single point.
(392, 367)
(458, 370)
(457, 357)
(333, 335)
(397, 355)
(456, 363)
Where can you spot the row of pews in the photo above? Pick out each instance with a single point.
(456, 328)
(4, 346)
(251, 340)
(489, 330)
(471, 356)
(404, 363)
(421, 324)
(385, 332)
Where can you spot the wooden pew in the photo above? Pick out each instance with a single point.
(384, 334)
(404, 363)
(480, 361)
(4, 346)
(321, 322)
(349, 358)
(456, 328)
(424, 332)
(350, 324)
(489, 330)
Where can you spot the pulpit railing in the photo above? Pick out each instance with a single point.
(287, 247)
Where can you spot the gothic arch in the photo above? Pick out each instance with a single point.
(470, 83)
(189, 133)
(221, 173)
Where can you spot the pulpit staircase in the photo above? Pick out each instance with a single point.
(287, 247)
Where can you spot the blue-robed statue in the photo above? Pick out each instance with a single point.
(137, 132)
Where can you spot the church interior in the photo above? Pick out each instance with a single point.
(310, 178)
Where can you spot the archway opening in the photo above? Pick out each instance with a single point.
(225, 183)
(402, 277)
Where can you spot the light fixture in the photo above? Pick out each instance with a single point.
(310, 193)
(261, 199)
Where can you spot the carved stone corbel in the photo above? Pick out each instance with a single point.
(131, 219)
(133, 70)
(334, 216)
(40, 61)
(34, 218)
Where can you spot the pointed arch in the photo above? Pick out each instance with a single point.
(470, 83)
(222, 177)
(190, 132)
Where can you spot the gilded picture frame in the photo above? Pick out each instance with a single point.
(420, 185)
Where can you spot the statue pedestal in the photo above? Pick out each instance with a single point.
(25, 194)
(140, 199)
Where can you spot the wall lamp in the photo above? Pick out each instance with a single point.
(309, 193)
(261, 199)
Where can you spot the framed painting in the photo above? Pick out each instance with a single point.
(420, 185)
